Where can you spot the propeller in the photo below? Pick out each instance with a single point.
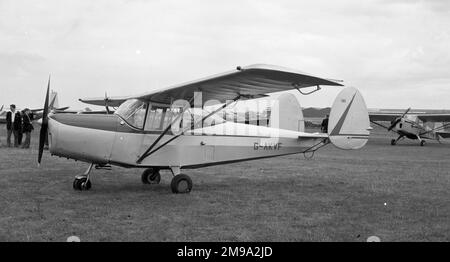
(44, 126)
(397, 120)
(1, 109)
(106, 104)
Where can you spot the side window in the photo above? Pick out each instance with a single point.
(171, 115)
(154, 119)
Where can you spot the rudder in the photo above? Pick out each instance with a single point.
(348, 126)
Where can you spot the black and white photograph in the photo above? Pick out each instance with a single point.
(247, 121)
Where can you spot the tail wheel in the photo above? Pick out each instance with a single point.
(393, 142)
(151, 176)
(422, 143)
(181, 184)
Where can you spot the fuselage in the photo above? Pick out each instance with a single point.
(109, 139)
(411, 127)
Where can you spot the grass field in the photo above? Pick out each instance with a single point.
(398, 193)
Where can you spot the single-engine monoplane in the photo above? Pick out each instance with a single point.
(415, 126)
(179, 128)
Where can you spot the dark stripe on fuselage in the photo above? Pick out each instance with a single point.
(101, 122)
(95, 121)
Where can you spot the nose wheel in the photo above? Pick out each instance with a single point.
(422, 143)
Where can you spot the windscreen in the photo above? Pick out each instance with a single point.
(133, 112)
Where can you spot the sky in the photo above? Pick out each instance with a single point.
(396, 52)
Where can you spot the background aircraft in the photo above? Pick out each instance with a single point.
(415, 126)
(148, 131)
(37, 113)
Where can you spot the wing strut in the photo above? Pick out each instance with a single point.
(435, 129)
(378, 124)
(306, 93)
(149, 151)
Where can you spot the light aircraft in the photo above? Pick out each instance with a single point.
(415, 126)
(174, 129)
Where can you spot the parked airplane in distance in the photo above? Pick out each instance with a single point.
(37, 113)
(416, 126)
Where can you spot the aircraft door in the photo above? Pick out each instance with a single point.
(130, 134)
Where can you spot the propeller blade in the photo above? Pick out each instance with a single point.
(1, 109)
(106, 104)
(398, 119)
(394, 123)
(406, 112)
(44, 126)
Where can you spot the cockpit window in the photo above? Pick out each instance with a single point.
(158, 118)
(133, 112)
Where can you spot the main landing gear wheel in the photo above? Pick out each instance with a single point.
(393, 142)
(181, 184)
(81, 184)
(422, 143)
(151, 176)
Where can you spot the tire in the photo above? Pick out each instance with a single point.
(393, 142)
(151, 176)
(78, 184)
(181, 184)
(422, 143)
(87, 186)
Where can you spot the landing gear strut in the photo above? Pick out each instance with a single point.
(151, 176)
(82, 182)
(394, 141)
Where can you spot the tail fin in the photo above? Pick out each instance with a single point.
(53, 100)
(349, 125)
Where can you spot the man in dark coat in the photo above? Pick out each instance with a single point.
(13, 125)
(324, 127)
(27, 126)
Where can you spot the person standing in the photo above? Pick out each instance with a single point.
(20, 131)
(27, 119)
(324, 126)
(13, 124)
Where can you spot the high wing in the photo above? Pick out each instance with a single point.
(434, 117)
(388, 117)
(242, 83)
(100, 101)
